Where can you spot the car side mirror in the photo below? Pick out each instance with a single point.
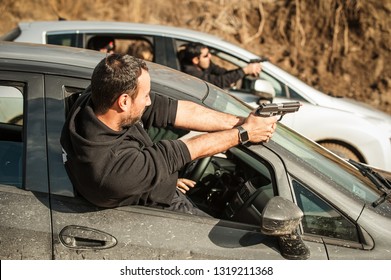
(281, 218)
(264, 90)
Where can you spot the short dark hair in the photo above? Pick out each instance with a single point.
(101, 42)
(191, 51)
(113, 76)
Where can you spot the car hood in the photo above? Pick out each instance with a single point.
(319, 98)
(356, 107)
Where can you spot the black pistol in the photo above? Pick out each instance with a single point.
(274, 109)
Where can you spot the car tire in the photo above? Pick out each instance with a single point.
(341, 150)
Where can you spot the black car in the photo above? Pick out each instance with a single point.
(285, 199)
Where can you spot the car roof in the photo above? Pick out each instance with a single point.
(50, 54)
(60, 60)
(30, 30)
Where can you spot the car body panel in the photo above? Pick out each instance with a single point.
(25, 229)
(145, 233)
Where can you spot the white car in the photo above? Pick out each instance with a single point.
(344, 126)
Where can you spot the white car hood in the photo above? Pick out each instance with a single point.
(356, 107)
(319, 98)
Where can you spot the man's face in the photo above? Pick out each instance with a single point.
(204, 58)
(141, 102)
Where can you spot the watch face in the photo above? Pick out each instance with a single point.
(243, 136)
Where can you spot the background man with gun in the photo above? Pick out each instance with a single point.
(104, 44)
(196, 60)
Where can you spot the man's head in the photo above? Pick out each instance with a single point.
(197, 54)
(102, 43)
(121, 83)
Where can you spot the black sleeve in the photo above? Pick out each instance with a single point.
(161, 112)
(215, 75)
(221, 77)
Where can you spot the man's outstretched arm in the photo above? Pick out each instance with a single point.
(222, 127)
(196, 117)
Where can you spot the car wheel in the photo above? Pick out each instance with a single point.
(341, 150)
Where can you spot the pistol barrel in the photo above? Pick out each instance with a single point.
(274, 109)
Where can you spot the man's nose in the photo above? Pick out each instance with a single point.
(149, 102)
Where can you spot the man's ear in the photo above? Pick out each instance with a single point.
(196, 60)
(124, 101)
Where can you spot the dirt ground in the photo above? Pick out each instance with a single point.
(341, 47)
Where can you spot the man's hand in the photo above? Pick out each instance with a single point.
(253, 69)
(184, 184)
(260, 129)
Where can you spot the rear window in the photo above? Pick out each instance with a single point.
(69, 40)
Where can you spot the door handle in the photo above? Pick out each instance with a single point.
(79, 237)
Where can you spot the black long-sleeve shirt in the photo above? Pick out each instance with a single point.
(111, 168)
(216, 75)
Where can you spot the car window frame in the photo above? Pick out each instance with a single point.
(34, 131)
(11, 137)
(56, 92)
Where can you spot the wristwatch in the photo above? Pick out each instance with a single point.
(243, 136)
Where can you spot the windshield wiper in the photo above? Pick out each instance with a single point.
(379, 181)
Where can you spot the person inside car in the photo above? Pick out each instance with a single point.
(104, 44)
(109, 156)
(195, 60)
(141, 49)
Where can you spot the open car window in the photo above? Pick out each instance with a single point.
(232, 186)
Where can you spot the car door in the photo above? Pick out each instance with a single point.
(25, 224)
(81, 230)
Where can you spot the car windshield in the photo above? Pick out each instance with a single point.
(223, 102)
(308, 152)
(327, 164)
